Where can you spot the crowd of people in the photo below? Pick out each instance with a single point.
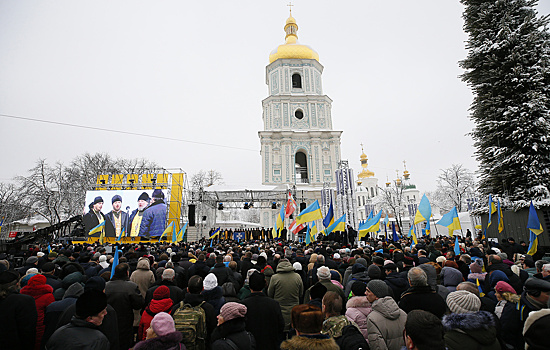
(275, 294)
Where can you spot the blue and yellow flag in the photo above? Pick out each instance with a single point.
(412, 233)
(424, 211)
(98, 228)
(492, 209)
(2, 223)
(372, 225)
(371, 215)
(329, 219)
(215, 233)
(281, 218)
(121, 234)
(167, 230)
(395, 238)
(535, 228)
(49, 249)
(481, 294)
(338, 225)
(182, 232)
(451, 221)
(274, 232)
(311, 213)
(308, 236)
(115, 261)
(500, 218)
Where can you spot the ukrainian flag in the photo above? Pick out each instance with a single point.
(451, 221)
(457, 246)
(500, 218)
(281, 218)
(121, 234)
(311, 213)
(338, 225)
(492, 209)
(424, 211)
(167, 230)
(481, 294)
(215, 233)
(412, 232)
(274, 232)
(329, 219)
(372, 225)
(98, 228)
(182, 232)
(534, 225)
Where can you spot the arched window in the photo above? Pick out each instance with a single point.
(296, 81)
(301, 168)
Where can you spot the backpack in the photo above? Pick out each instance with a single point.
(191, 323)
(352, 339)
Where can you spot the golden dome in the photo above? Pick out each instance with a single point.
(365, 172)
(292, 48)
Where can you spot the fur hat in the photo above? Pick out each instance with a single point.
(378, 288)
(232, 310)
(163, 324)
(144, 197)
(158, 194)
(440, 259)
(323, 273)
(90, 303)
(210, 282)
(48, 267)
(462, 301)
(162, 292)
(116, 198)
(40, 254)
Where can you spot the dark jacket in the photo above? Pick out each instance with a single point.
(200, 269)
(235, 331)
(125, 297)
(110, 227)
(153, 222)
(211, 320)
(264, 320)
(109, 327)
(423, 298)
(515, 281)
(471, 331)
(56, 309)
(246, 265)
(53, 281)
(397, 283)
(90, 221)
(511, 326)
(176, 294)
(223, 273)
(215, 298)
(78, 335)
(170, 341)
(18, 317)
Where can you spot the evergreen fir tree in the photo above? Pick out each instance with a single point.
(508, 69)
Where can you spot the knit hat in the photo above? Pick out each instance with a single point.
(476, 266)
(297, 266)
(116, 198)
(336, 256)
(48, 267)
(40, 254)
(358, 288)
(32, 271)
(52, 255)
(97, 199)
(95, 283)
(163, 324)
(162, 292)
(462, 301)
(356, 268)
(32, 260)
(440, 259)
(323, 273)
(158, 194)
(378, 288)
(503, 287)
(210, 282)
(90, 303)
(144, 197)
(374, 272)
(256, 281)
(232, 310)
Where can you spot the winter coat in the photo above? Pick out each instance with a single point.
(385, 324)
(215, 298)
(514, 279)
(199, 268)
(78, 335)
(471, 331)
(42, 294)
(110, 226)
(357, 310)
(56, 309)
(170, 341)
(18, 317)
(432, 280)
(286, 288)
(235, 330)
(228, 290)
(90, 221)
(244, 292)
(156, 306)
(143, 276)
(360, 276)
(223, 273)
(124, 297)
(109, 327)
(53, 281)
(310, 342)
(398, 284)
(450, 278)
(176, 293)
(211, 320)
(246, 264)
(66, 282)
(264, 320)
(510, 324)
(423, 298)
(153, 222)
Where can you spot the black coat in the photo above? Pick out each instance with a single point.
(423, 298)
(398, 284)
(109, 327)
(176, 293)
(125, 297)
(76, 335)
(222, 273)
(199, 268)
(246, 265)
(235, 330)
(18, 319)
(515, 281)
(264, 320)
(110, 228)
(90, 221)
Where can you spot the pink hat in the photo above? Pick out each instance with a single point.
(232, 310)
(163, 324)
(476, 267)
(503, 287)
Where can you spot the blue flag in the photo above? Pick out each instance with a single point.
(237, 236)
(457, 247)
(394, 232)
(115, 261)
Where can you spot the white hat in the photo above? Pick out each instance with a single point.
(210, 282)
(336, 256)
(297, 266)
(40, 254)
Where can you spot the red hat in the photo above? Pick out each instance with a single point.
(161, 292)
(503, 287)
(37, 280)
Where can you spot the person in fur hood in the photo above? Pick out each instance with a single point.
(307, 320)
(161, 335)
(359, 307)
(467, 327)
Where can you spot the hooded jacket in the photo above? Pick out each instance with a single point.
(398, 284)
(386, 323)
(286, 287)
(317, 342)
(153, 222)
(471, 331)
(143, 276)
(451, 277)
(357, 310)
(42, 294)
(432, 280)
(156, 306)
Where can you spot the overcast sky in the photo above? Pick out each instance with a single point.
(196, 71)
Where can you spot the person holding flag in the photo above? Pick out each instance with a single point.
(94, 218)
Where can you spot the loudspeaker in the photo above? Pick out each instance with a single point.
(191, 215)
(302, 206)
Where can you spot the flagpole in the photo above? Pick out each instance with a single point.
(435, 225)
